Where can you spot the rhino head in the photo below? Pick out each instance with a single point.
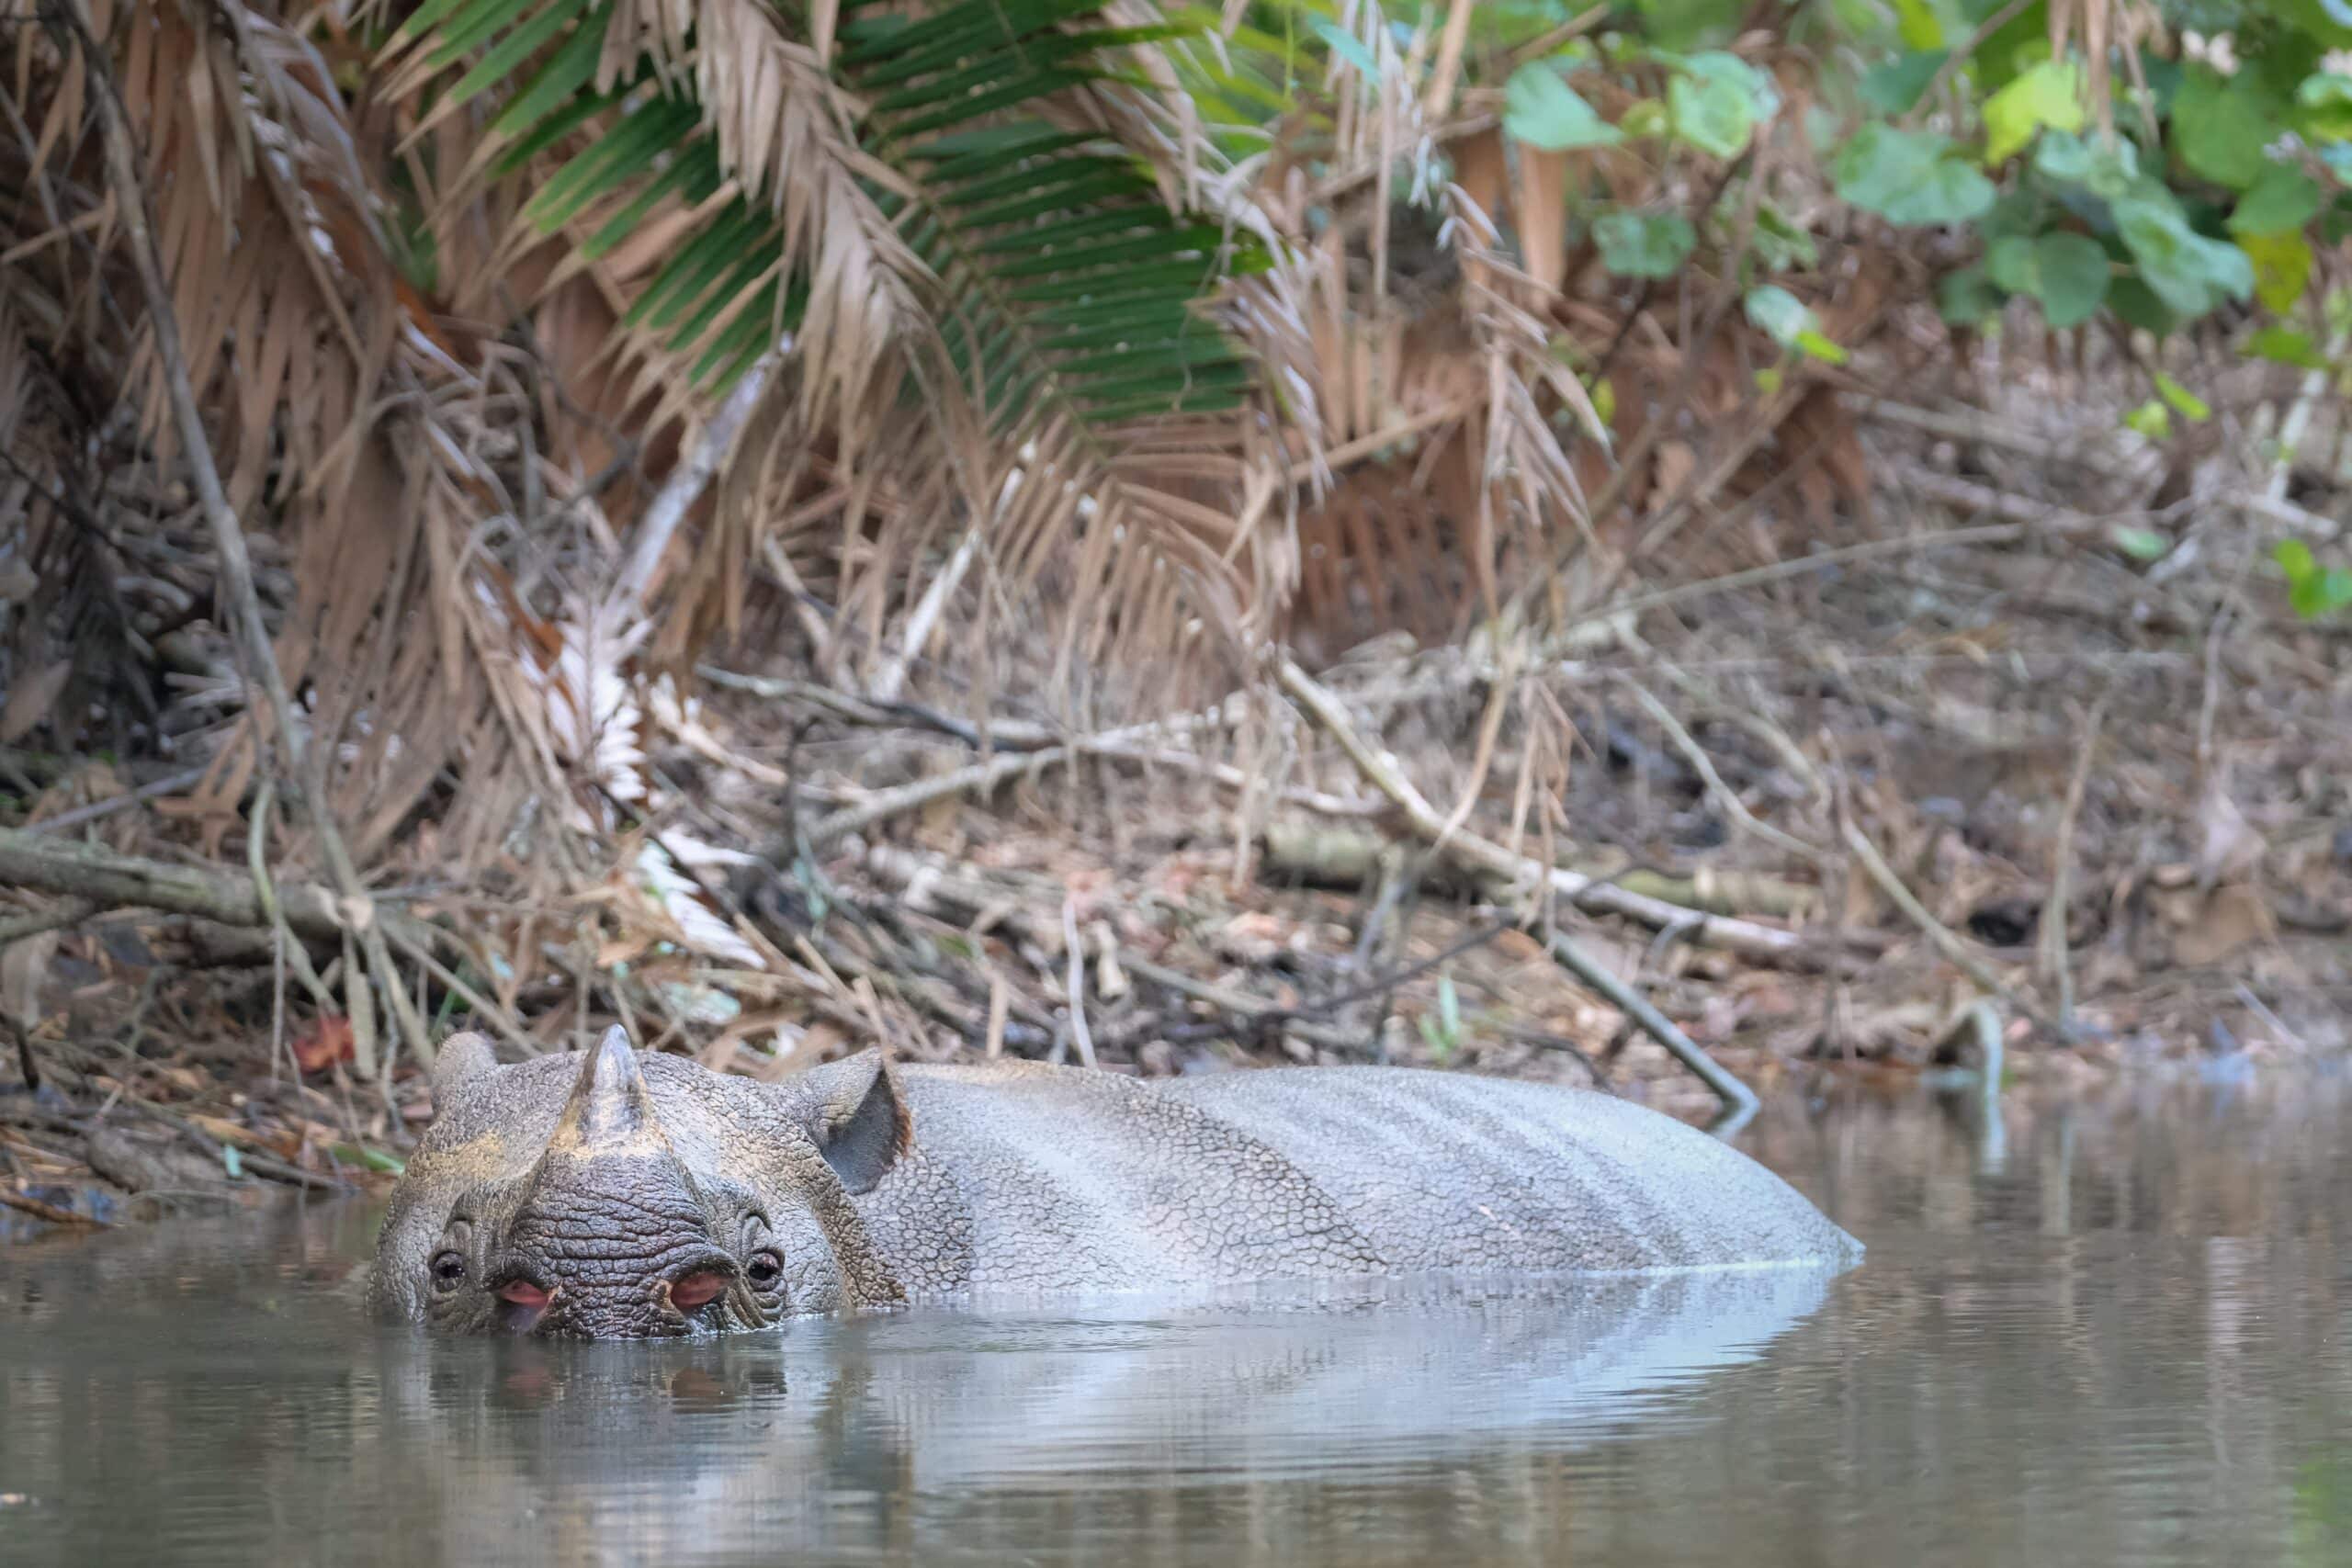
(610, 1196)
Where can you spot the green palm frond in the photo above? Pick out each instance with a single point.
(1061, 284)
(971, 215)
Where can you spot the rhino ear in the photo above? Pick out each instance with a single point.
(461, 1057)
(856, 1116)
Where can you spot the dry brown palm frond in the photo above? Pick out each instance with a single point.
(1459, 440)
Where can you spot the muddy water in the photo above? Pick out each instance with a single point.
(2109, 1331)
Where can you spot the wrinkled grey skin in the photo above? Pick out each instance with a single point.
(611, 1195)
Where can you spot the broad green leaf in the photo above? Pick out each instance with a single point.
(1540, 109)
(2282, 268)
(1892, 88)
(1916, 23)
(2310, 588)
(1966, 296)
(2139, 544)
(2323, 106)
(2150, 418)
(2183, 401)
(2336, 224)
(2285, 346)
(1715, 100)
(1679, 23)
(1714, 114)
(2068, 274)
(1910, 177)
(2012, 48)
(1644, 244)
(1778, 242)
(2009, 261)
(2107, 173)
(1349, 49)
(2328, 23)
(2050, 96)
(2191, 274)
(2221, 125)
(1786, 319)
(2137, 305)
(2282, 200)
(374, 1159)
(1777, 313)
(1817, 345)
(2321, 592)
(1645, 117)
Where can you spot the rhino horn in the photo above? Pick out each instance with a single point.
(610, 1111)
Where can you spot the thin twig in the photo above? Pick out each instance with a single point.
(1083, 1037)
(1000, 1003)
(892, 678)
(1383, 772)
(983, 777)
(2054, 964)
(112, 803)
(484, 1007)
(264, 1163)
(256, 866)
(685, 484)
(1941, 936)
(1738, 1097)
(56, 917)
(1263, 1017)
(50, 1211)
(1736, 808)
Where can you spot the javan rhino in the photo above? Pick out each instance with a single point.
(614, 1196)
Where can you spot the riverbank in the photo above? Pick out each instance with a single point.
(2029, 743)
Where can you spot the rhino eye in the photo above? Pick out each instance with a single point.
(763, 1270)
(448, 1271)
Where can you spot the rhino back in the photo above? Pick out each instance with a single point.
(1444, 1171)
(1028, 1177)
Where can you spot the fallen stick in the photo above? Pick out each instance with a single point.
(2055, 964)
(1080, 1034)
(1344, 856)
(50, 1211)
(248, 1157)
(1941, 936)
(1738, 1097)
(892, 679)
(1256, 1013)
(684, 486)
(1744, 937)
(982, 778)
(108, 880)
(1719, 791)
(73, 911)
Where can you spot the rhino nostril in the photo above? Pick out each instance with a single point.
(523, 1294)
(699, 1289)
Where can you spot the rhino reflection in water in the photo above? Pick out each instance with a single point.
(610, 1196)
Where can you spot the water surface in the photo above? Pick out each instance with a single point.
(2108, 1331)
